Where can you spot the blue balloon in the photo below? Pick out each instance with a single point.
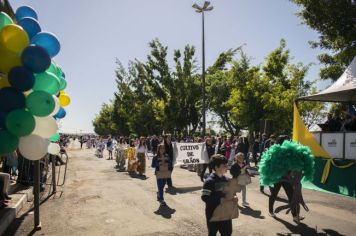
(30, 25)
(25, 11)
(48, 41)
(11, 99)
(21, 78)
(61, 113)
(36, 59)
(2, 119)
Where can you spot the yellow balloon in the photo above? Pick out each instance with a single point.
(14, 38)
(4, 82)
(8, 60)
(64, 100)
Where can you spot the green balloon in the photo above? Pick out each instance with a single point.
(40, 103)
(8, 142)
(54, 138)
(62, 84)
(5, 20)
(53, 69)
(47, 82)
(60, 72)
(20, 123)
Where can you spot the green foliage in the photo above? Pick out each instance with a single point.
(103, 123)
(151, 97)
(335, 22)
(279, 159)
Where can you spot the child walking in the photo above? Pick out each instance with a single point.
(238, 170)
(213, 195)
(163, 171)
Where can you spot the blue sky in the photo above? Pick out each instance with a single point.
(94, 33)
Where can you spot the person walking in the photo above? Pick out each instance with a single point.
(238, 170)
(210, 149)
(154, 144)
(109, 147)
(168, 146)
(163, 170)
(141, 154)
(255, 149)
(212, 195)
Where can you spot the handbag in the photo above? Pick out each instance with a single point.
(163, 172)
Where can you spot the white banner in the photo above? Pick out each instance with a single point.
(333, 143)
(350, 146)
(190, 153)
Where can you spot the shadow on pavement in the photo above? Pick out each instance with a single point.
(303, 229)
(165, 211)
(137, 176)
(181, 190)
(251, 212)
(278, 199)
(17, 222)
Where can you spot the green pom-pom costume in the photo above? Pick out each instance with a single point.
(278, 160)
(288, 163)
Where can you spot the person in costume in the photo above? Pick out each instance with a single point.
(120, 154)
(284, 165)
(163, 171)
(213, 195)
(141, 154)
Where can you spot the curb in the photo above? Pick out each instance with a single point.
(7, 215)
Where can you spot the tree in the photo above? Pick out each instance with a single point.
(219, 87)
(335, 21)
(151, 97)
(267, 91)
(103, 123)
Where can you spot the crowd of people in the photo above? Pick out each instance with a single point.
(341, 121)
(234, 153)
(219, 192)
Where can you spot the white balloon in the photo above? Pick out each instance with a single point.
(56, 107)
(33, 147)
(54, 148)
(45, 127)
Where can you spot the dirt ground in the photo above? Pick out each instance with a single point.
(99, 200)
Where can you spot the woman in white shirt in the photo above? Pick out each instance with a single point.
(120, 156)
(141, 154)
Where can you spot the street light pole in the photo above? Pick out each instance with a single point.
(202, 10)
(203, 75)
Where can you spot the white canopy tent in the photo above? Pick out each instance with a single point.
(343, 90)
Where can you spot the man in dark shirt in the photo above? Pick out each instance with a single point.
(213, 195)
(169, 150)
(154, 144)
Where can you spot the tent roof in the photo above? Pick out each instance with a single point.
(343, 90)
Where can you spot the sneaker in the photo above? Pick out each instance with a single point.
(163, 203)
(245, 204)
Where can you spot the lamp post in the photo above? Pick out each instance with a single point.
(201, 10)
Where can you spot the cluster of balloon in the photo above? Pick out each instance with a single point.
(32, 86)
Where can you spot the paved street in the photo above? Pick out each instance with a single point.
(98, 200)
